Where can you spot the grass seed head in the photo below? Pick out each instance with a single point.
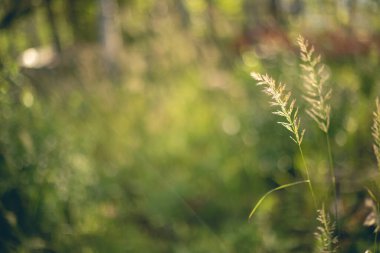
(316, 93)
(286, 107)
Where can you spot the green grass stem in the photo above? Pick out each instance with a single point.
(333, 178)
(308, 177)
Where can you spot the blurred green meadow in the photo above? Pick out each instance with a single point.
(135, 126)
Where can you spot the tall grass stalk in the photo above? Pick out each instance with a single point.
(307, 175)
(288, 111)
(317, 96)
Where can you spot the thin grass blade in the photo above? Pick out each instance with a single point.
(273, 190)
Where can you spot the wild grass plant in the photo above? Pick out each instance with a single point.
(288, 111)
(317, 97)
(317, 94)
(373, 203)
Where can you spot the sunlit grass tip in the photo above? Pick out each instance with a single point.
(314, 76)
(286, 106)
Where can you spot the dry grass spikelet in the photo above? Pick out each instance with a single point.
(314, 79)
(376, 132)
(286, 106)
(327, 241)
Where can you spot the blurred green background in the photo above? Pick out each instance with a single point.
(134, 125)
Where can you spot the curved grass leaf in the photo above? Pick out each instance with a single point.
(273, 190)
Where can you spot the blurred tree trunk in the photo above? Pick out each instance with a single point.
(53, 26)
(250, 14)
(110, 34)
(184, 13)
(297, 7)
(352, 7)
(275, 10)
(72, 16)
(211, 19)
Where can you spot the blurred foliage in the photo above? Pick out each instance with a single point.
(168, 149)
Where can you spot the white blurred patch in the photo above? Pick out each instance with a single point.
(36, 58)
